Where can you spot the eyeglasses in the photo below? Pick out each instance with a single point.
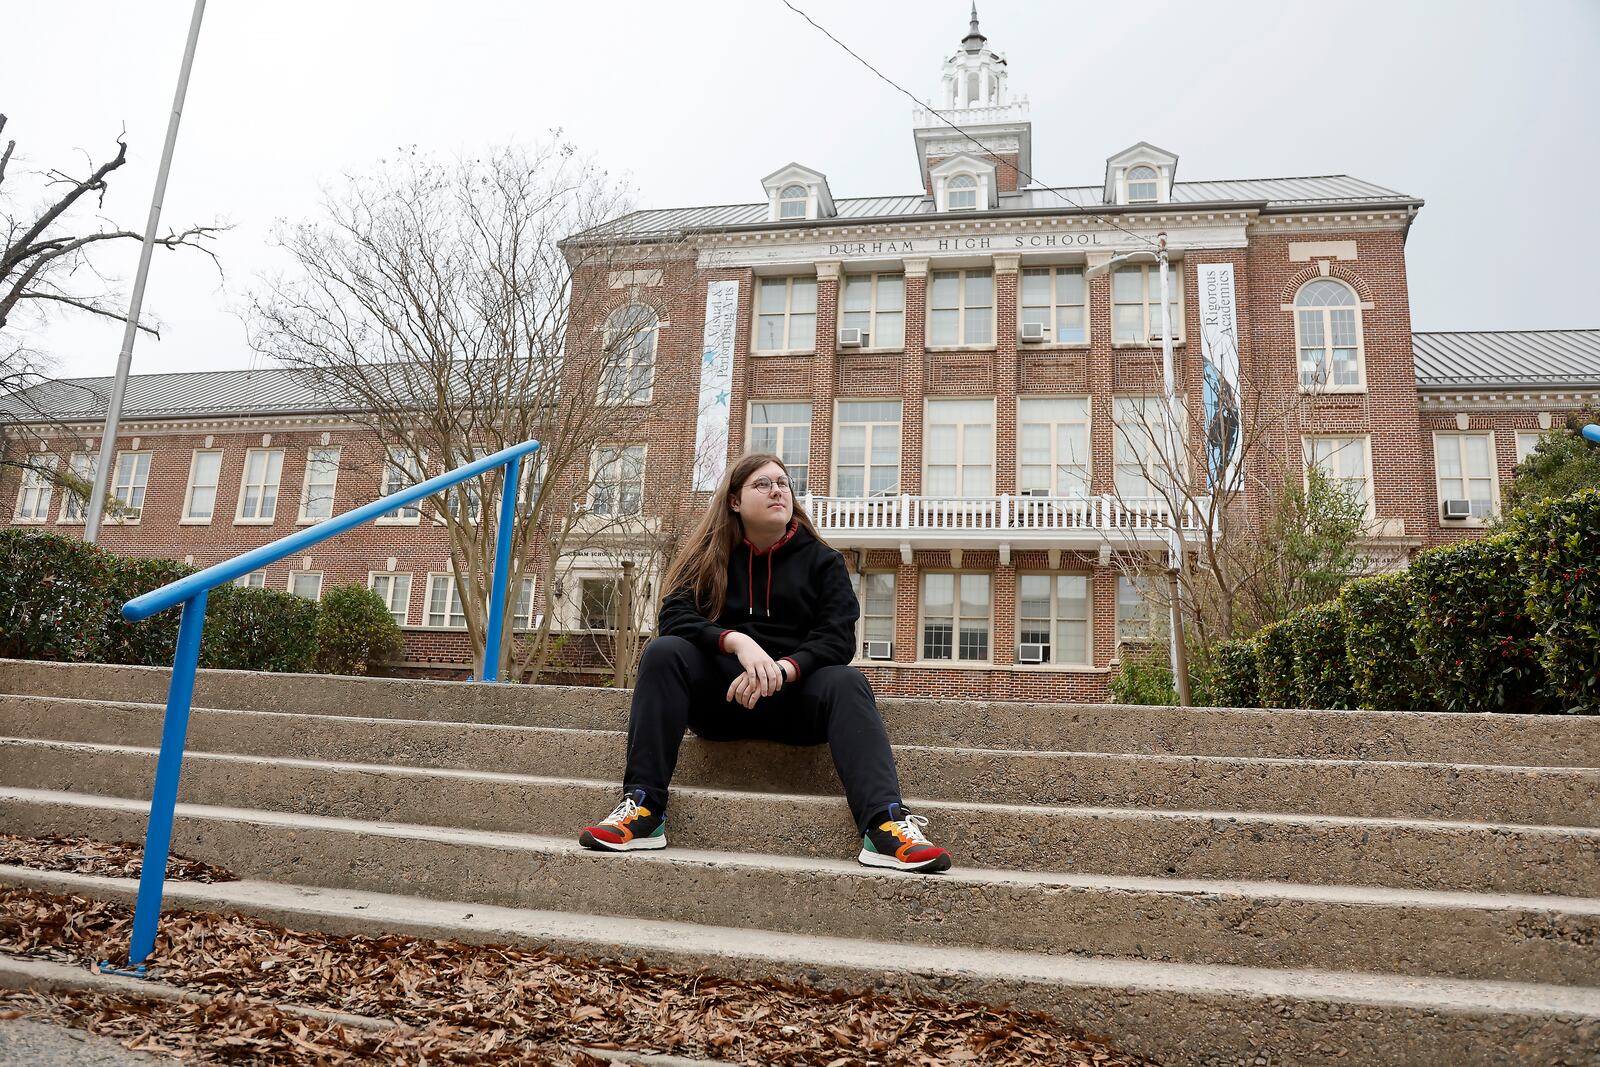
(764, 485)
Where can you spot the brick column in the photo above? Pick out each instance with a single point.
(907, 597)
(913, 375)
(1003, 604)
(825, 376)
(1102, 449)
(1006, 372)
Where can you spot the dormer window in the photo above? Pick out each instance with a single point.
(962, 193)
(1141, 185)
(792, 202)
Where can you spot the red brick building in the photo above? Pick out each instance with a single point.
(965, 381)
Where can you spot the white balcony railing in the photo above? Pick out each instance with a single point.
(1004, 516)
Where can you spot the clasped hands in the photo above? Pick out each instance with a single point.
(762, 675)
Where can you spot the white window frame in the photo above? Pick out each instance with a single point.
(849, 319)
(1333, 445)
(636, 360)
(295, 577)
(215, 486)
(863, 634)
(523, 617)
(956, 618)
(1150, 302)
(970, 477)
(253, 580)
(871, 431)
(74, 507)
(963, 184)
(35, 489)
(452, 604)
(1144, 443)
(1123, 637)
(388, 597)
(1154, 180)
(962, 308)
(1052, 310)
(271, 479)
(788, 200)
(1057, 617)
(401, 471)
(789, 315)
(1324, 312)
(1527, 441)
(1056, 426)
(1457, 440)
(332, 484)
(128, 486)
(616, 457)
(580, 603)
(790, 440)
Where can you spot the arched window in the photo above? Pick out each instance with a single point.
(962, 192)
(1327, 319)
(792, 202)
(630, 355)
(1142, 185)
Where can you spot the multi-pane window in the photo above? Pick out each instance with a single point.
(628, 374)
(402, 469)
(597, 602)
(1328, 327)
(253, 580)
(465, 499)
(867, 439)
(1054, 298)
(959, 445)
(444, 603)
(877, 607)
(961, 193)
(785, 431)
(1136, 303)
(1134, 622)
(306, 583)
(1141, 442)
(1527, 441)
(1053, 611)
(961, 308)
(200, 499)
(522, 611)
(1053, 445)
(75, 505)
(395, 590)
(618, 480)
(33, 499)
(133, 474)
(258, 486)
(786, 314)
(792, 202)
(1343, 461)
(955, 616)
(322, 477)
(1465, 464)
(875, 304)
(1141, 185)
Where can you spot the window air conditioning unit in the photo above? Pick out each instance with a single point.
(852, 337)
(880, 649)
(1035, 492)
(1032, 653)
(1033, 332)
(1458, 509)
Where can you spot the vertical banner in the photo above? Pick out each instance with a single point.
(716, 383)
(1219, 351)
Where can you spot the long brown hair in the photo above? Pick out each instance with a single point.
(701, 566)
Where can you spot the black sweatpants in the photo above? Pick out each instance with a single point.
(681, 687)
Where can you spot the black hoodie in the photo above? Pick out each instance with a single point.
(794, 599)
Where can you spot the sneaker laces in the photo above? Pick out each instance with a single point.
(624, 811)
(909, 829)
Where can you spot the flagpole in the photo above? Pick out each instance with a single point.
(119, 385)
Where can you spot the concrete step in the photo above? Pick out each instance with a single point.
(1501, 740)
(1559, 796)
(1467, 935)
(1175, 1013)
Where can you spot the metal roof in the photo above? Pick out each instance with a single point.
(269, 391)
(1276, 193)
(1497, 359)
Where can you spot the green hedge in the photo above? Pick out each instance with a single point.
(355, 631)
(153, 641)
(259, 630)
(1275, 678)
(1559, 557)
(1317, 637)
(52, 597)
(1233, 675)
(1379, 643)
(1476, 643)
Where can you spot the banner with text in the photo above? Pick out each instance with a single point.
(716, 383)
(1219, 350)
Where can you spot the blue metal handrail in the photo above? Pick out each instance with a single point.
(1592, 432)
(191, 590)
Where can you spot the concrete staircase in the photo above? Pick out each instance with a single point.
(1207, 887)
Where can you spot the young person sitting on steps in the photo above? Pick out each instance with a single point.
(754, 642)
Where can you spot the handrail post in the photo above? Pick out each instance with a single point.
(164, 794)
(502, 570)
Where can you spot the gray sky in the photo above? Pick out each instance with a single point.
(1477, 107)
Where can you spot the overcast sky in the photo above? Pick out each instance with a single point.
(1485, 110)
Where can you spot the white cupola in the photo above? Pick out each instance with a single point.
(795, 193)
(975, 113)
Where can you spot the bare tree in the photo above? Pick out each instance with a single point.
(443, 304)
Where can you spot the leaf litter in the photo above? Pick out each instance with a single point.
(113, 859)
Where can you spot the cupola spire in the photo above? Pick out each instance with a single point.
(974, 40)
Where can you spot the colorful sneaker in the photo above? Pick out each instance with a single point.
(897, 843)
(629, 827)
